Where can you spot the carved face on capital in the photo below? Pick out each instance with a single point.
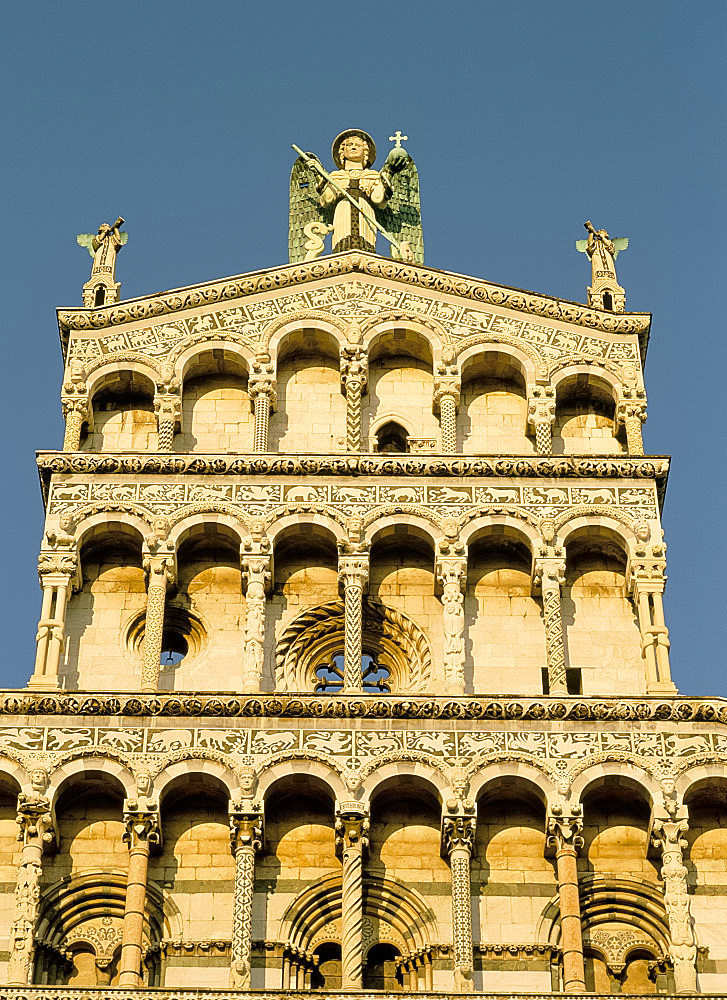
(248, 782)
(668, 787)
(39, 780)
(460, 785)
(643, 531)
(143, 783)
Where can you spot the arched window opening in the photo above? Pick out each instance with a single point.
(608, 301)
(100, 296)
(380, 971)
(174, 648)
(327, 975)
(392, 438)
(374, 675)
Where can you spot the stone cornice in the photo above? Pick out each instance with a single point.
(481, 466)
(309, 706)
(195, 993)
(291, 275)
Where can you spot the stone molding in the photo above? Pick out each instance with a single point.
(291, 275)
(301, 706)
(182, 993)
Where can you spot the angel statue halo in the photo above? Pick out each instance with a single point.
(354, 201)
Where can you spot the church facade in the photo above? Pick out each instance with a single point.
(352, 670)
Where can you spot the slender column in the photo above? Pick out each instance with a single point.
(35, 823)
(256, 578)
(142, 832)
(563, 839)
(246, 832)
(458, 837)
(76, 412)
(353, 574)
(647, 580)
(632, 414)
(354, 378)
(168, 408)
(541, 416)
(667, 836)
(159, 570)
(56, 571)
(548, 577)
(261, 387)
(352, 827)
(447, 389)
(451, 576)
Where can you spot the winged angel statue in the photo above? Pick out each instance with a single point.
(602, 251)
(103, 247)
(354, 201)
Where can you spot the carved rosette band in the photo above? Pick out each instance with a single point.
(257, 576)
(447, 389)
(354, 378)
(159, 570)
(261, 387)
(451, 574)
(549, 576)
(352, 827)
(353, 574)
(143, 831)
(458, 838)
(667, 836)
(246, 832)
(563, 840)
(35, 830)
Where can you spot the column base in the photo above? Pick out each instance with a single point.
(667, 688)
(40, 683)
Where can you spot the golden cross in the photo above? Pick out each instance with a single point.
(398, 138)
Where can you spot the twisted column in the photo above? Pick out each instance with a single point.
(451, 576)
(56, 571)
(667, 837)
(246, 831)
(261, 387)
(632, 414)
(354, 378)
(549, 576)
(353, 574)
(256, 577)
(352, 827)
(541, 416)
(35, 825)
(563, 840)
(447, 389)
(159, 570)
(76, 412)
(142, 832)
(168, 409)
(458, 838)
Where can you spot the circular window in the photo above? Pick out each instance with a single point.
(184, 635)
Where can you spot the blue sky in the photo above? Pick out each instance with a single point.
(524, 119)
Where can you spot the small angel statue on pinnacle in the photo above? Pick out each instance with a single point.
(101, 288)
(602, 251)
(355, 201)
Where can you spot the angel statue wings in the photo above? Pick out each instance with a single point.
(602, 251)
(355, 201)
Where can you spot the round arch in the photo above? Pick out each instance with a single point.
(324, 522)
(306, 772)
(87, 768)
(195, 524)
(105, 373)
(305, 321)
(383, 522)
(482, 525)
(612, 524)
(380, 331)
(523, 358)
(15, 774)
(695, 777)
(621, 773)
(85, 520)
(186, 355)
(511, 774)
(399, 774)
(194, 773)
(594, 374)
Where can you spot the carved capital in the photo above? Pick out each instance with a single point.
(159, 560)
(143, 825)
(354, 367)
(168, 406)
(669, 835)
(541, 405)
(458, 831)
(62, 563)
(246, 828)
(451, 571)
(35, 819)
(446, 385)
(631, 408)
(548, 574)
(75, 404)
(257, 575)
(353, 570)
(262, 383)
(352, 828)
(563, 830)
